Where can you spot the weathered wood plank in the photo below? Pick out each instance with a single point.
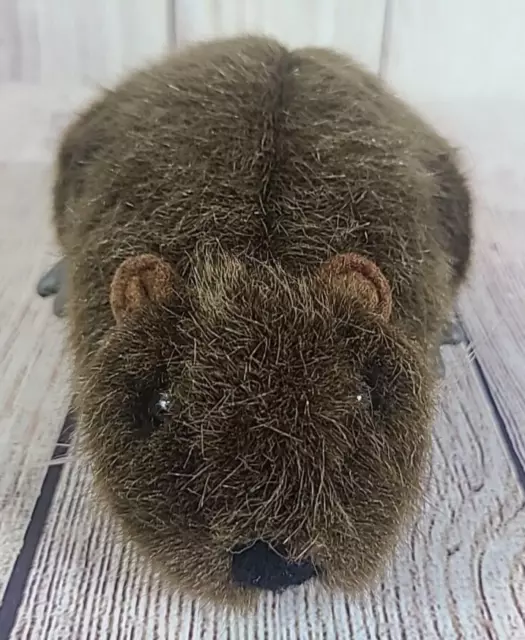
(355, 27)
(31, 118)
(33, 380)
(54, 43)
(495, 323)
(491, 136)
(496, 135)
(458, 50)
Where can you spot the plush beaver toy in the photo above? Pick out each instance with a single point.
(262, 249)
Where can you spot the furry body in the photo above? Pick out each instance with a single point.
(245, 166)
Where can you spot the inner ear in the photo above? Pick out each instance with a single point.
(362, 278)
(140, 281)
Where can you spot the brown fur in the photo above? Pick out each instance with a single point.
(303, 407)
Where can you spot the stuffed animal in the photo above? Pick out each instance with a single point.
(262, 248)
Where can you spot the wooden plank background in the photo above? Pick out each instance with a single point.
(355, 26)
(462, 574)
(52, 42)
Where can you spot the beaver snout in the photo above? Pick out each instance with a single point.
(258, 565)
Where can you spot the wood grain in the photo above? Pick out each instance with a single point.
(52, 42)
(493, 132)
(31, 117)
(490, 134)
(355, 26)
(33, 380)
(457, 50)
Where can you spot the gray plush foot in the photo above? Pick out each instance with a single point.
(453, 334)
(441, 369)
(59, 303)
(51, 282)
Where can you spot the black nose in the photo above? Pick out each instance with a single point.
(261, 566)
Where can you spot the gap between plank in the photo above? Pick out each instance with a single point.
(498, 416)
(171, 17)
(15, 588)
(386, 38)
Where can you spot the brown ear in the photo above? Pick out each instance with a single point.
(138, 282)
(361, 277)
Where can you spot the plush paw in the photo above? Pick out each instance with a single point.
(50, 283)
(53, 283)
(440, 365)
(59, 303)
(453, 334)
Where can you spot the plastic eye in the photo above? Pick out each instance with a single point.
(372, 386)
(162, 406)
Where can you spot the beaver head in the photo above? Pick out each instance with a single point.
(254, 430)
